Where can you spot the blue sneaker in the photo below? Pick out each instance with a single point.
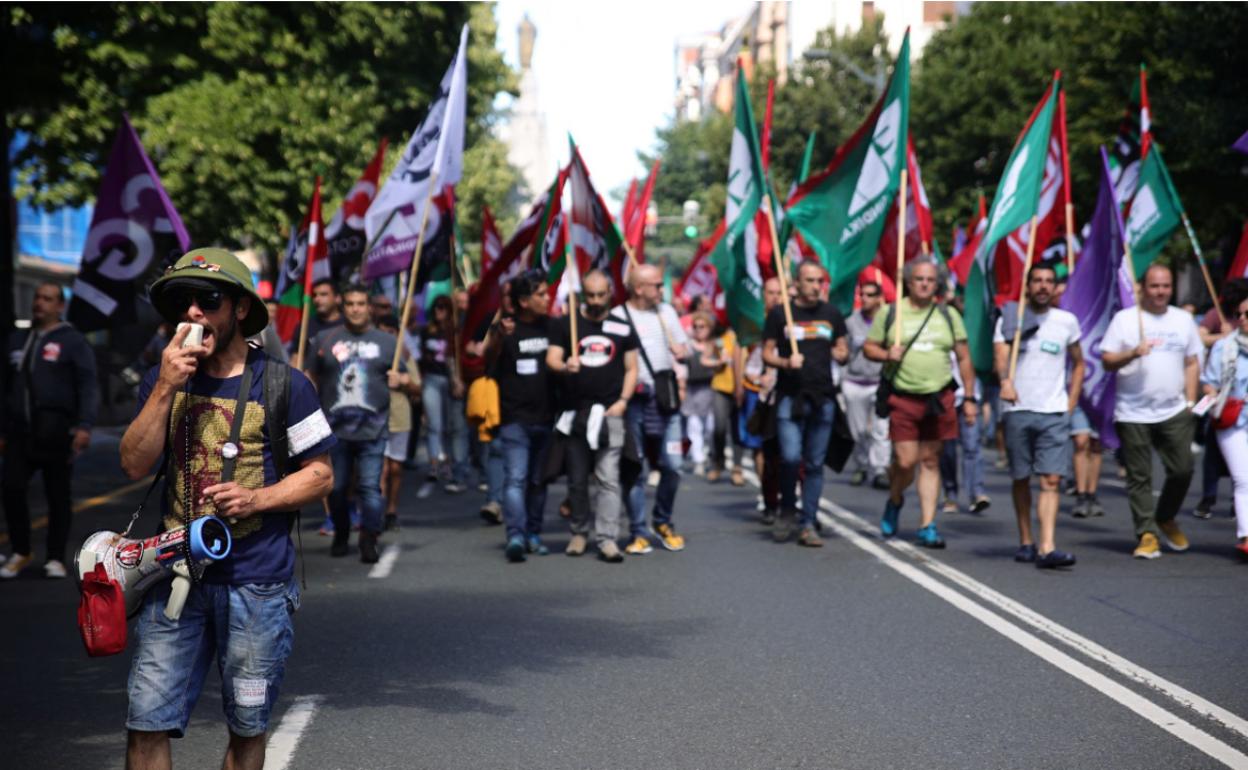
(515, 549)
(930, 538)
(888, 522)
(534, 545)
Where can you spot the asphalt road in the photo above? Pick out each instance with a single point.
(736, 653)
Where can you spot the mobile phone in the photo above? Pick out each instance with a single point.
(194, 337)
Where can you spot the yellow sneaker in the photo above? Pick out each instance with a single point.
(1172, 536)
(668, 537)
(1148, 548)
(639, 546)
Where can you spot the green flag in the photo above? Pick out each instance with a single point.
(841, 212)
(803, 173)
(735, 264)
(1155, 212)
(1017, 200)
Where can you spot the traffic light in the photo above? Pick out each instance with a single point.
(689, 213)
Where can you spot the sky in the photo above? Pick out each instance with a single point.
(606, 73)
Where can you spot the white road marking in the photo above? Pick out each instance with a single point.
(386, 563)
(1059, 632)
(285, 739)
(1164, 719)
(1167, 720)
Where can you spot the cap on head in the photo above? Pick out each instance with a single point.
(217, 268)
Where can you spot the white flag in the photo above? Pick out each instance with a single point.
(434, 154)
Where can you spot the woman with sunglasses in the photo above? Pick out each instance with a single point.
(704, 362)
(442, 396)
(1226, 380)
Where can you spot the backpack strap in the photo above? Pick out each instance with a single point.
(276, 405)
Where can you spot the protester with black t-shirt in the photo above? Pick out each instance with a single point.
(515, 354)
(442, 395)
(806, 396)
(598, 378)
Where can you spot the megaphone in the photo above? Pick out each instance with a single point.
(137, 565)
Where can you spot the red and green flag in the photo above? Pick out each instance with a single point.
(841, 212)
(1027, 175)
(307, 261)
(595, 240)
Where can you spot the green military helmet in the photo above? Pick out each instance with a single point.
(215, 266)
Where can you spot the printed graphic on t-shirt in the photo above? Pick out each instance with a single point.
(353, 380)
(811, 330)
(211, 419)
(436, 348)
(596, 350)
(533, 346)
(52, 352)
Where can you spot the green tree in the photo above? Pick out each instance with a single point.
(239, 104)
(979, 79)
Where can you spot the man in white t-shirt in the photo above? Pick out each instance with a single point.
(1037, 402)
(663, 344)
(1156, 384)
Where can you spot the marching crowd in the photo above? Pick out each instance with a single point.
(611, 397)
(636, 394)
(640, 393)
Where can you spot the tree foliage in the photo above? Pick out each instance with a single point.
(978, 81)
(975, 86)
(242, 104)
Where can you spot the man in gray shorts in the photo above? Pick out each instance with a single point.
(1037, 403)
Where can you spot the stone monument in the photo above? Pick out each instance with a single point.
(525, 133)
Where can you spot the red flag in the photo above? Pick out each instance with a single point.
(491, 242)
(345, 232)
(763, 248)
(700, 277)
(635, 223)
(918, 221)
(484, 297)
(595, 241)
(630, 203)
(308, 262)
(1146, 115)
(1239, 267)
(960, 263)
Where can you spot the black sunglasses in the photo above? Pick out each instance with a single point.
(208, 300)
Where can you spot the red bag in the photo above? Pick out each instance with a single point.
(1230, 414)
(102, 614)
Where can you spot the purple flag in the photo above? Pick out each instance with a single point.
(1241, 144)
(135, 233)
(1100, 266)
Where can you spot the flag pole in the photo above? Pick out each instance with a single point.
(901, 259)
(1022, 297)
(303, 331)
(411, 280)
(572, 319)
(1070, 205)
(784, 283)
(369, 246)
(1204, 269)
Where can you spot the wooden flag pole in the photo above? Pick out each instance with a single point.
(369, 246)
(1070, 240)
(901, 260)
(784, 283)
(1022, 297)
(411, 280)
(572, 312)
(1204, 269)
(1135, 287)
(303, 332)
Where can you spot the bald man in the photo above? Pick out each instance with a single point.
(1157, 377)
(662, 344)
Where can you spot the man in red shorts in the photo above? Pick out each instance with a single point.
(921, 411)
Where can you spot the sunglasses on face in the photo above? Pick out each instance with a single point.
(207, 301)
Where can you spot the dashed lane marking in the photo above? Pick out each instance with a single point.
(284, 741)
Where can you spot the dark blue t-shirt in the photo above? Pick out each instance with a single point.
(262, 550)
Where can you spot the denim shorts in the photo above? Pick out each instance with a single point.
(246, 630)
(1079, 423)
(1038, 443)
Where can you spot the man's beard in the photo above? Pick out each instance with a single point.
(226, 335)
(596, 311)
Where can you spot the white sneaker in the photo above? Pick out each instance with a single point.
(54, 569)
(425, 489)
(13, 567)
(653, 479)
(699, 469)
